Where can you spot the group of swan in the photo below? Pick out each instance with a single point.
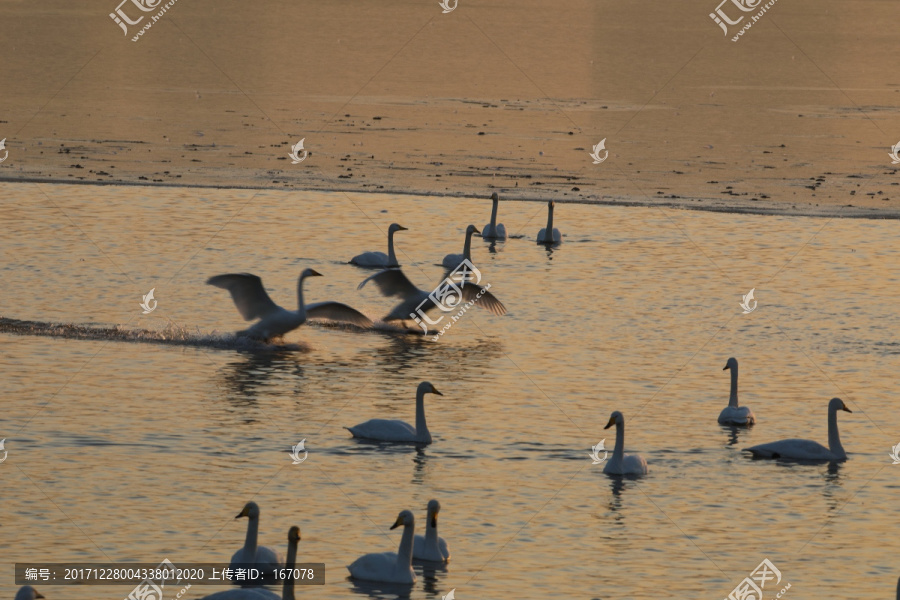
(396, 567)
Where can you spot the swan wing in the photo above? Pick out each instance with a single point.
(792, 448)
(486, 301)
(335, 311)
(248, 293)
(386, 430)
(370, 259)
(392, 282)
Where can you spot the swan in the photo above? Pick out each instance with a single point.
(389, 567)
(251, 555)
(494, 230)
(253, 302)
(549, 235)
(262, 593)
(621, 463)
(380, 259)
(807, 449)
(451, 261)
(734, 414)
(393, 282)
(391, 430)
(430, 546)
(27, 593)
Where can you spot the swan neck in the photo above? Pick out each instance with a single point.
(494, 213)
(834, 439)
(288, 590)
(301, 309)
(392, 258)
(250, 540)
(467, 249)
(550, 222)
(733, 398)
(404, 554)
(430, 533)
(421, 425)
(619, 450)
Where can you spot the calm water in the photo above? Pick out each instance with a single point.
(130, 451)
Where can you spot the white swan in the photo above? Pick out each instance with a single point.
(451, 261)
(797, 449)
(393, 282)
(494, 230)
(253, 555)
(734, 414)
(380, 259)
(549, 235)
(430, 546)
(27, 593)
(262, 593)
(621, 463)
(253, 302)
(389, 567)
(390, 430)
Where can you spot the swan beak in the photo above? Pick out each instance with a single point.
(725, 368)
(37, 594)
(244, 512)
(844, 407)
(434, 391)
(315, 273)
(401, 228)
(434, 521)
(476, 231)
(397, 523)
(611, 423)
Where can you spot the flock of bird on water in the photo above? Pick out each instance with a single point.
(253, 302)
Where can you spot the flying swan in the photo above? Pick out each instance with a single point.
(621, 463)
(451, 261)
(549, 235)
(389, 567)
(734, 414)
(807, 449)
(380, 259)
(494, 230)
(431, 547)
(252, 555)
(390, 430)
(253, 302)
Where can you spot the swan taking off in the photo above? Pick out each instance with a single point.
(253, 555)
(253, 302)
(392, 282)
(380, 259)
(451, 261)
(389, 567)
(734, 414)
(621, 463)
(796, 449)
(431, 547)
(549, 235)
(390, 430)
(494, 230)
(27, 593)
(262, 593)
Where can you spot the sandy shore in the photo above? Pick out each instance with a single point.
(797, 117)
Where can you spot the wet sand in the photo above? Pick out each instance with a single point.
(797, 117)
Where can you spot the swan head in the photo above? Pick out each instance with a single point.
(309, 273)
(551, 204)
(495, 197)
(731, 364)
(27, 593)
(837, 404)
(434, 507)
(294, 534)
(405, 518)
(615, 419)
(472, 229)
(251, 510)
(426, 388)
(396, 227)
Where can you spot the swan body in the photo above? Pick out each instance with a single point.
(621, 463)
(393, 282)
(451, 261)
(253, 302)
(389, 567)
(734, 414)
(253, 555)
(262, 593)
(798, 449)
(549, 235)
(430, 546)
(27, 592)
(494, 230)
(388, 430)
(380, 259)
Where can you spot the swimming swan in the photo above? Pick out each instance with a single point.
(253, 302)
(390, 430)
(494, 230)
(621, 463)
(734, 414)
(451, 261)
(807, 449)
(261, 557)
(549, 235)
(263, 593)
(389, 567)
(27, 593)
(430, 546)
(380, 259)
